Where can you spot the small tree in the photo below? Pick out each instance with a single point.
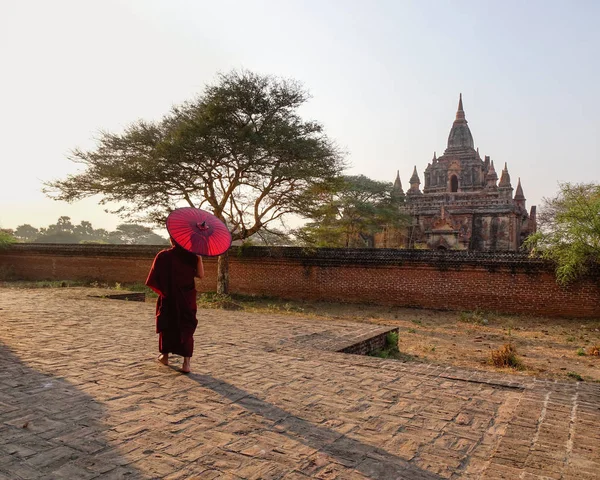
(569, 230)
(240, 150)
(351, 213)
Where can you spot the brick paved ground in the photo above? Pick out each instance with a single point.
(81, 397)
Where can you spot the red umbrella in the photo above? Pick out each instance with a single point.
(198, 231)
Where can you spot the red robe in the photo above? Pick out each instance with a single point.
(172, 278)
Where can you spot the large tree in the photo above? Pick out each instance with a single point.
(351, 213)
(26, 233)
(569, 230)
(132, 234)
(240, 149)
(63, 231)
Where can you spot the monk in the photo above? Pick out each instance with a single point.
(172, 278)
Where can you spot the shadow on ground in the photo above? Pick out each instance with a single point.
(51, 429)
(370, 461)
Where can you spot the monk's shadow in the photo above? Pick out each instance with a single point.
(371, 461)
(51, 429)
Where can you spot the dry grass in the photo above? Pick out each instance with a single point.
(594, 350)
(506, 356)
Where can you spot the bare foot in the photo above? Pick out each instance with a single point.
(186, 367)
(164, 358)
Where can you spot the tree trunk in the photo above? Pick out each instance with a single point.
(223, 274)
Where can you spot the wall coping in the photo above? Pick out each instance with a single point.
(83, 250)
(307, 256)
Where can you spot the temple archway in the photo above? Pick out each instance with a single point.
(454, 183)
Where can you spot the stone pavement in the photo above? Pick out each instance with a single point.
(82, 397)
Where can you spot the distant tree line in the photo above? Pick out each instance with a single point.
(64, 231)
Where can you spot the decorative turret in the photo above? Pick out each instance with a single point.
(519, 197)
(414, 183)
(434, 160)
(460, 136)
(491, 177)
(533, 220)
(505, 179)
(397, 192)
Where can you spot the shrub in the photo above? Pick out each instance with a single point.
(390, 350)
(218, 301)
(391, 342)
(575, 376)
(477, 317)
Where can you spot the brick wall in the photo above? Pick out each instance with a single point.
(509, 283)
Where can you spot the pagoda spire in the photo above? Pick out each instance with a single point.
(460, 136)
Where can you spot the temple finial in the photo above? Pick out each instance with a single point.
(460, 113)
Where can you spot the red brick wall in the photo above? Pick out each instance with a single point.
(502, 283)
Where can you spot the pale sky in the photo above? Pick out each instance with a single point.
(384, 76)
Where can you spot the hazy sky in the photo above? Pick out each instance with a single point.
(384, 76)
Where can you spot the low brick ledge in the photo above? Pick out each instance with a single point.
(362, 342)
(133, 297)
(365, 344)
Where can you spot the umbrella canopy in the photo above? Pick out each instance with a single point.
(198, 231)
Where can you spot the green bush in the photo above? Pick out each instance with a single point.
(6, 239)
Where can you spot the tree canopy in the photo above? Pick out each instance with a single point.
(240, 149)
(569, 230)
(350, 214)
